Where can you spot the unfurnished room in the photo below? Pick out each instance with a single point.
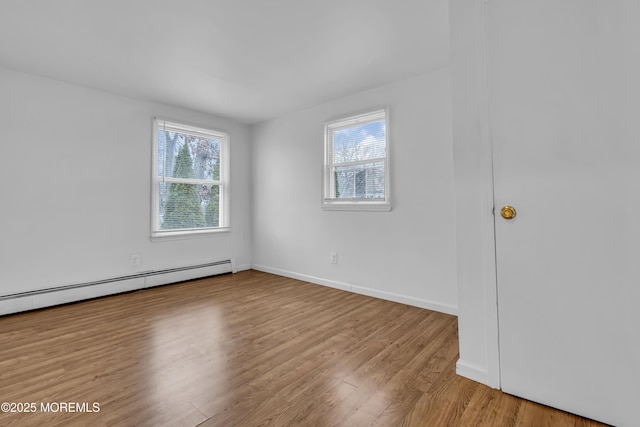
(319, 213)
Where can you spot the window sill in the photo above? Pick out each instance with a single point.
(356, 206)
(191, 234)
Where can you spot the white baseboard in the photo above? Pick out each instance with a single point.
(242, 267)
(303, 277)
(389, 296)
(473, 372)
(404, 299)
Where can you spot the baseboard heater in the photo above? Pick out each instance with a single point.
(30, 300)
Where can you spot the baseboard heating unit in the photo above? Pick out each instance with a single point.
(30, 300)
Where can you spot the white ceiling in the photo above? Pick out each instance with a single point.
(246, 59)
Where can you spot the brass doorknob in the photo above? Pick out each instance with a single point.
(508, 212)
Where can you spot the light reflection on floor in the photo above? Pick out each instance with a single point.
(188, 360)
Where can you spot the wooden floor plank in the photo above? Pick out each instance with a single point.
(248, 349)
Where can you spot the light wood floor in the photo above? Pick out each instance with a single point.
(249, 349)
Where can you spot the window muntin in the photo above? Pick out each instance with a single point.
(356, 163)
(190, 180)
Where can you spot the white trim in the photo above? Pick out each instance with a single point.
(225, 187)
(356, 206)
(479, 331)
(192, 129)
(362, 162)
(162, 236)
(388, 296)
(350, 120)
(328, 200)
(472, 372)
(303, 277)
(404, 299)
(158, 234)
(242, 267)
(489, 279)
(195, 181)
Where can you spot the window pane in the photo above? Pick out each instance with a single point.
(360, 181)
(212, 208)
(180, 206)
(188, 206)
(361, 142)
(181, 155)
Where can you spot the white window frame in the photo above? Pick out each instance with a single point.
(329, 200)
(156, 232)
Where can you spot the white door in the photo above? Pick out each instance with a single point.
(564, 101)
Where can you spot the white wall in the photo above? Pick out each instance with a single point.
(75, 184)
(407, 254)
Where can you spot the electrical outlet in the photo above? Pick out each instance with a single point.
(134, 259)
(333, 257)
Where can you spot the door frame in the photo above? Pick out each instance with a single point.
(473, 164)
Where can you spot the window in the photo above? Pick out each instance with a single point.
(356, 165)
(190, 180)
